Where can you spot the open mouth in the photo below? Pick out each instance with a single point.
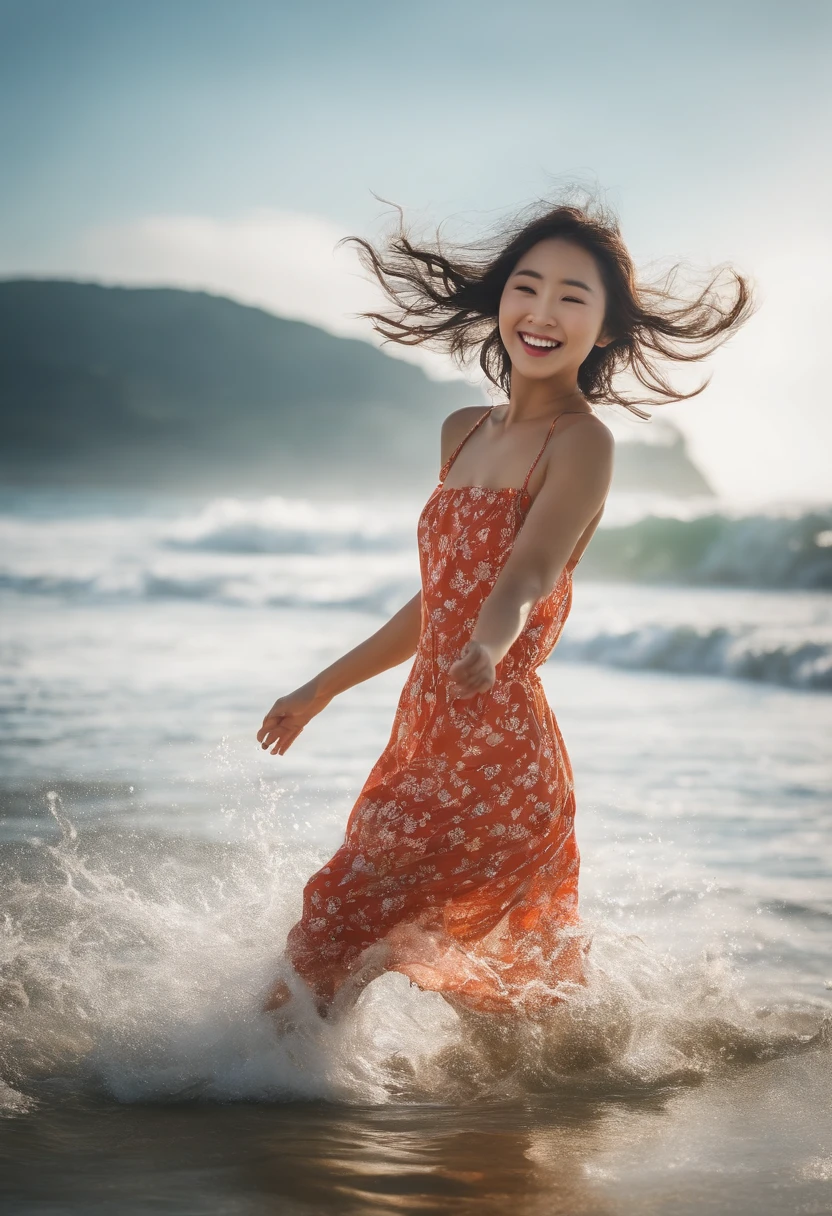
(534, 345)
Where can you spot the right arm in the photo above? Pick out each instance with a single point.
(390, 645)
(395, 642)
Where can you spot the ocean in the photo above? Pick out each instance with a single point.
(152, 858)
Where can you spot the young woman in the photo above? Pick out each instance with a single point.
(459, 866)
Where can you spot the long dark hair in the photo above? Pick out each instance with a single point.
(448, 298)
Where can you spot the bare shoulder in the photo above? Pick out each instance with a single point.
(585, 437)
(580, 464)
(457, 425)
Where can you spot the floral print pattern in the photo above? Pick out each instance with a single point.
(459, 866)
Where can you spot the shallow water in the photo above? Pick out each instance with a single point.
(152, 858)
(743, 1145)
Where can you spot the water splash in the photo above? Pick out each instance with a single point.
(134, 966)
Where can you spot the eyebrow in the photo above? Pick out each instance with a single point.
(534, 274)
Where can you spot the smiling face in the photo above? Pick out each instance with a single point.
(552, 311)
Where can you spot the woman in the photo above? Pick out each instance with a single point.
(459, 866)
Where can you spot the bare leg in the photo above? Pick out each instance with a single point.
(278, 996)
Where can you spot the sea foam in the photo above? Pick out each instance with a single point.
(135, 967)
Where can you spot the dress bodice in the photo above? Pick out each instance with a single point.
(465, 536)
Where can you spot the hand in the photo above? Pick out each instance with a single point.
(288, 716)
(474, 671)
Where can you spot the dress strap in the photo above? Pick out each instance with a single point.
(524, 494)
(446, 466)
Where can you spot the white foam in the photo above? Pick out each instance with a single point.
(140, 972)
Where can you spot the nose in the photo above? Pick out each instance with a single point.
(542, 323)
(540, 315)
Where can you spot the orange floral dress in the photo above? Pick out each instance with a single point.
(459, 866)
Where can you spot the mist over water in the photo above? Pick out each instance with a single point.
(152, 860)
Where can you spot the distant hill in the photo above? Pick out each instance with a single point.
(662, 465)
(162, 388)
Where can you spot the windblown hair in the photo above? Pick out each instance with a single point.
(448, 299)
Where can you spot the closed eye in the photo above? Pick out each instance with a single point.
(569, 299)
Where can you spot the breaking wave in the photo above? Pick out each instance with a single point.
(287, 526)
(793, 552)
(733, 653)
(294, 554)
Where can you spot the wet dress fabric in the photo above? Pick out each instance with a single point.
(459, 866)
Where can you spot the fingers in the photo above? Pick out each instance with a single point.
(283, 745)
(272, 719)
(267, 732)
(474, 666)
(275, 731)
(468, 691)
(471, 667)
(469, 662)
(473, 673)
(280, 738)
(479, 683)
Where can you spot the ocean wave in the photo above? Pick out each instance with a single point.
(284, 526)
(104, 588)
(362, 595)
(254, 538)
(794, 654)
(736, 653)
(790, 551)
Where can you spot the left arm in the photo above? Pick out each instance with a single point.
(578, 477)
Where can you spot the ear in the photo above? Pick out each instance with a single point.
(604, 341)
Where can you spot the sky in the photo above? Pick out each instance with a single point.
(229, 144)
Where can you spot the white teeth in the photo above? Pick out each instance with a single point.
(550, 343)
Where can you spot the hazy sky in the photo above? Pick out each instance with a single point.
(229, 144)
